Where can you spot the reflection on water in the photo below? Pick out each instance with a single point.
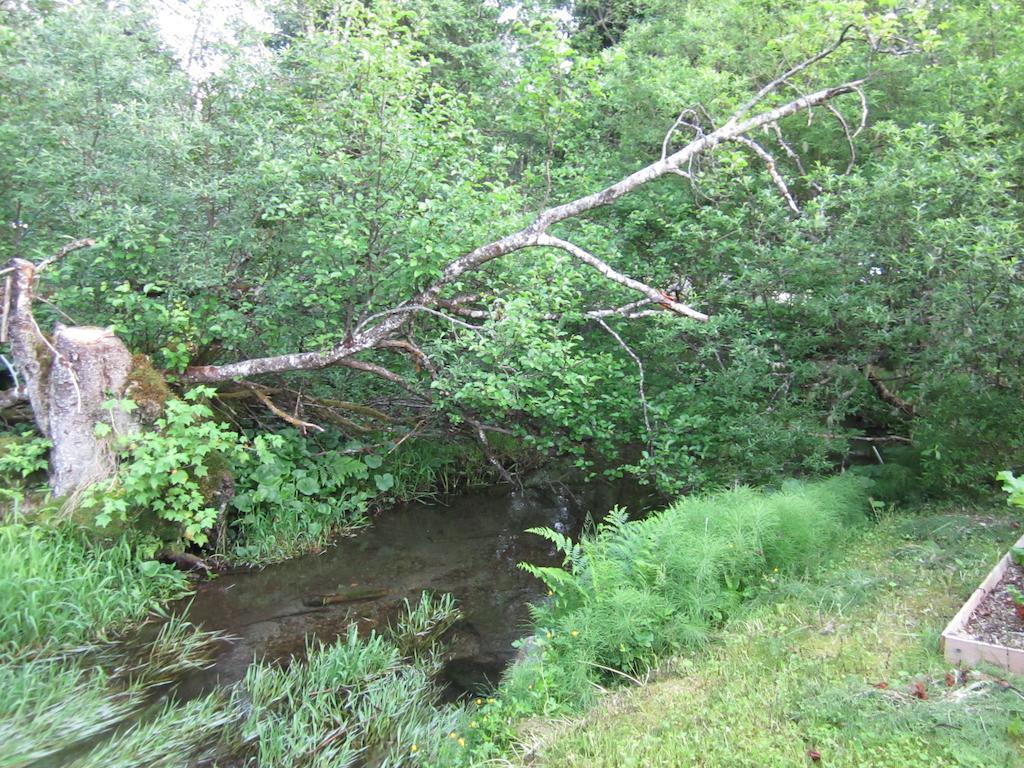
(468, 547)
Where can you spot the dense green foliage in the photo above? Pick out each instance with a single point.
(328, 169)
(639, 590)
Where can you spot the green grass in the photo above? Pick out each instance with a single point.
(754, 629)
(57, 590)
(826, 664)
(65, 675)
(73, 691)
(371, 699)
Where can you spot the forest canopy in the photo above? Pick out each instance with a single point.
(857, 261)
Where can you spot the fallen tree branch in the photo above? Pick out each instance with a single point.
(485, 444)
(390, 321)
(384, 373)
(767, 89)
(885, 394)
(63, 251)
(773, 171)
(264, 398)
(640, 368)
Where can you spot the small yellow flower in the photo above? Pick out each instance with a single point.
(452, 735)
(550, 593)
(472, 723)
(490, 701)
(462, 742)
(548, 634)
(414, 749)
(574, 633)
(479, 702)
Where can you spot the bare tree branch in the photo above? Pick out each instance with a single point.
(63, 251)
(640, 368)
(805, 64)
(794, 156)
(485, 444)
(384, 373)
(264, 398)
(885, 394)
(391, 321)
(846, 132)
(773, 171)
(409, 308)
(456, 306)
(617, 277)
(407, 346)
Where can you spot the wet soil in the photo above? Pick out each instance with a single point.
(469, 547)
(995, 619)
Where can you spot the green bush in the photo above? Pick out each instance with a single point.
(22, 455)
(1014, 486)
(635, 591)
(293, 498)
(168, 471)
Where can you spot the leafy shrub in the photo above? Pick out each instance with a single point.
(966, 432)
(292, 499)
(899, 480)
(1013, 486)
(21, 457)
(167, 471)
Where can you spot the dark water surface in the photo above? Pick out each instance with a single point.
(469, 547)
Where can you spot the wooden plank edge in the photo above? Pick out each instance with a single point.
(957, 646)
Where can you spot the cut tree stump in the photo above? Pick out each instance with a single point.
(91, 366)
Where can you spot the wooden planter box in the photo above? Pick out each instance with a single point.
(961, 649)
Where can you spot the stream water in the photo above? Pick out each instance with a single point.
(468, 546)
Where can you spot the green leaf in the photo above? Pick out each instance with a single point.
(385, 482)
(150, 568)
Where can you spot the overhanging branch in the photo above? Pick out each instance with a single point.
(390, 322)
(617, 277)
